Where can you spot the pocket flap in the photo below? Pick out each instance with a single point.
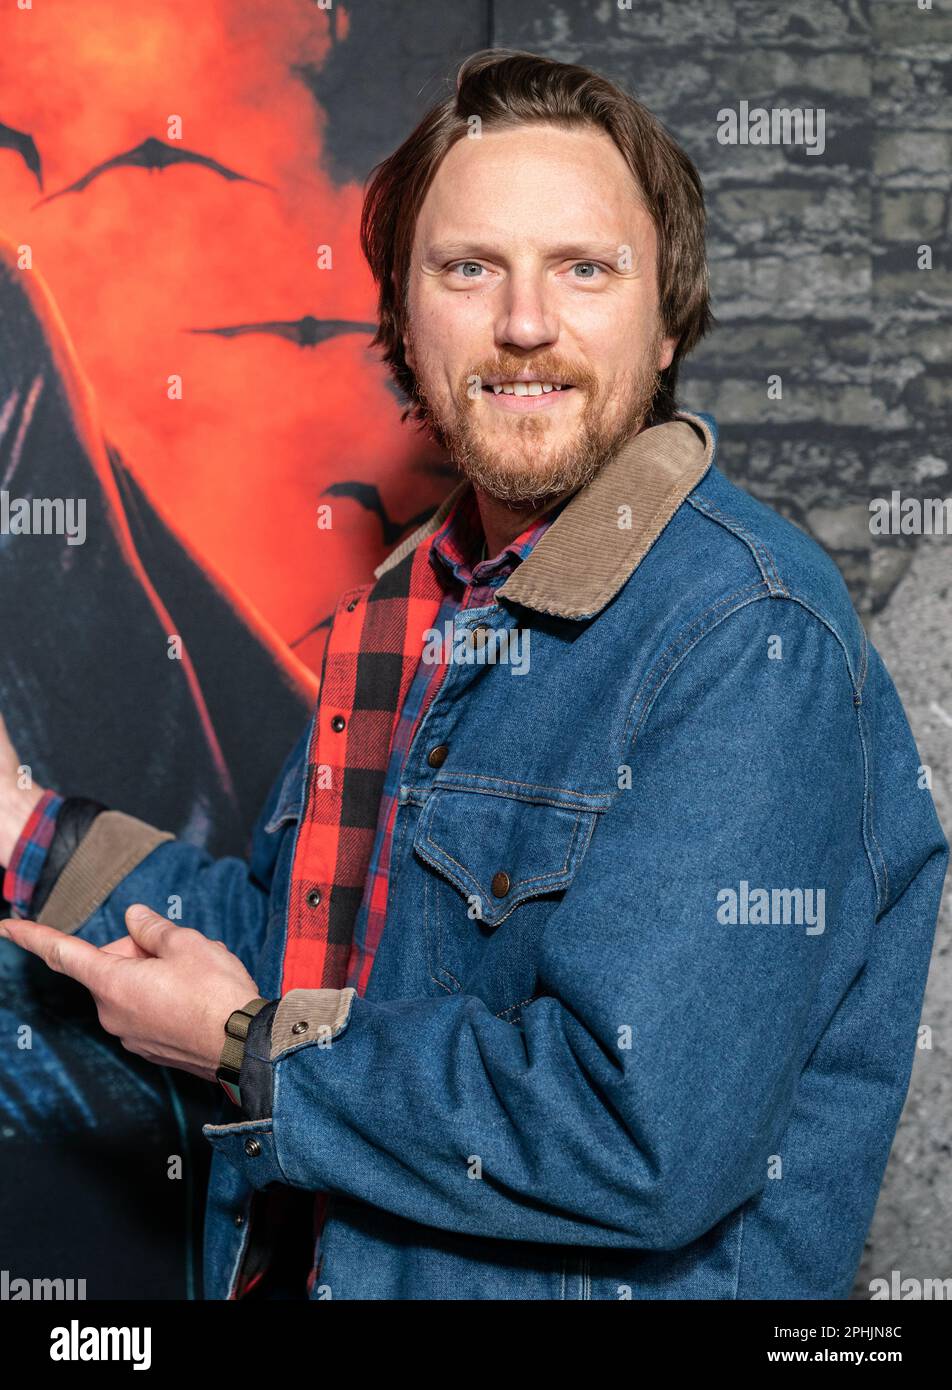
(499, 850)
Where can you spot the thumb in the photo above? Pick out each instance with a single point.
(147, 928)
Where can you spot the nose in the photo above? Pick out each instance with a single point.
(527, 318)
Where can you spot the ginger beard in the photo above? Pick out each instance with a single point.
(529, 459)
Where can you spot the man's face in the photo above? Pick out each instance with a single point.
(533, 258)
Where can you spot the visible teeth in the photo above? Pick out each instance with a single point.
(526, 388)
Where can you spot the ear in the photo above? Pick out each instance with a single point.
(666, 352)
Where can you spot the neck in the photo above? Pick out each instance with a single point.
(504, 521)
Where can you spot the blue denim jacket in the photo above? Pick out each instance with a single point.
(670, 1059)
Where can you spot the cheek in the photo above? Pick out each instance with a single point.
(433, 365)
(621, 359)
(443, 359)
(614, 327)
(456, 324)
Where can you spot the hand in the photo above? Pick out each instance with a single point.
(165, 991)
(16, 802)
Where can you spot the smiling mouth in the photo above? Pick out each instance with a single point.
(526, 397)
(527, 388)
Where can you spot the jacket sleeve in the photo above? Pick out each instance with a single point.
(122, 860)
(642, 1095)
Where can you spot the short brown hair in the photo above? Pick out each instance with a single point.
(507, 88)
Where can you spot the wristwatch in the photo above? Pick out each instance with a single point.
(233, 1052)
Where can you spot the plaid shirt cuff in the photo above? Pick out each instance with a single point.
(29, 854)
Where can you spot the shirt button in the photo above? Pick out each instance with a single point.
(501, 884)
(239, 1218)
(252, 1148)
(314, 897)
(437, 756)
(337, 723)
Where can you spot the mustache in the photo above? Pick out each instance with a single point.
(542, 369)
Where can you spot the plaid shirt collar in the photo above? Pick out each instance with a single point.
(458, 543)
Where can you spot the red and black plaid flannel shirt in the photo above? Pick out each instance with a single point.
(375, 690)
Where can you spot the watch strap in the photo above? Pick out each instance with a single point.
(233, 1050)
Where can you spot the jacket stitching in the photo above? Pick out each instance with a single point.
(762, 555)
(239, 1254)
(437, 785)
(663, 675)
(864, 661)
(435, 949)
(509, 1009)
(660, 675)
(882, 897)
(275, 1094)
(535, 878)
(869, 830)
(538, 878)
(438, 962)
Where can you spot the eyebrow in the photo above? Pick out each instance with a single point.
(579, 249)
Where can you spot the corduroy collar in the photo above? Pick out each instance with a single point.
(587, 554)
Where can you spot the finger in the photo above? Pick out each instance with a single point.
(67, 955)
(148, 929)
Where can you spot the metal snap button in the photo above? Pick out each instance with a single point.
(314, 897)
(480, 635)
(337, 723)
(437, 756)
(252, 1148)
(501, 884)
(300, 1027)
(239, 1218)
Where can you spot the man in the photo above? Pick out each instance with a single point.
(582, 944)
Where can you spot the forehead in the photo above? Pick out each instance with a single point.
(532, 182)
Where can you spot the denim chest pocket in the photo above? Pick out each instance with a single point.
(496, 866)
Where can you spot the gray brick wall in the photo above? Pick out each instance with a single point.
(815, 279)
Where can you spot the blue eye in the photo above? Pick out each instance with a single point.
(473, 264)
(593, 265)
